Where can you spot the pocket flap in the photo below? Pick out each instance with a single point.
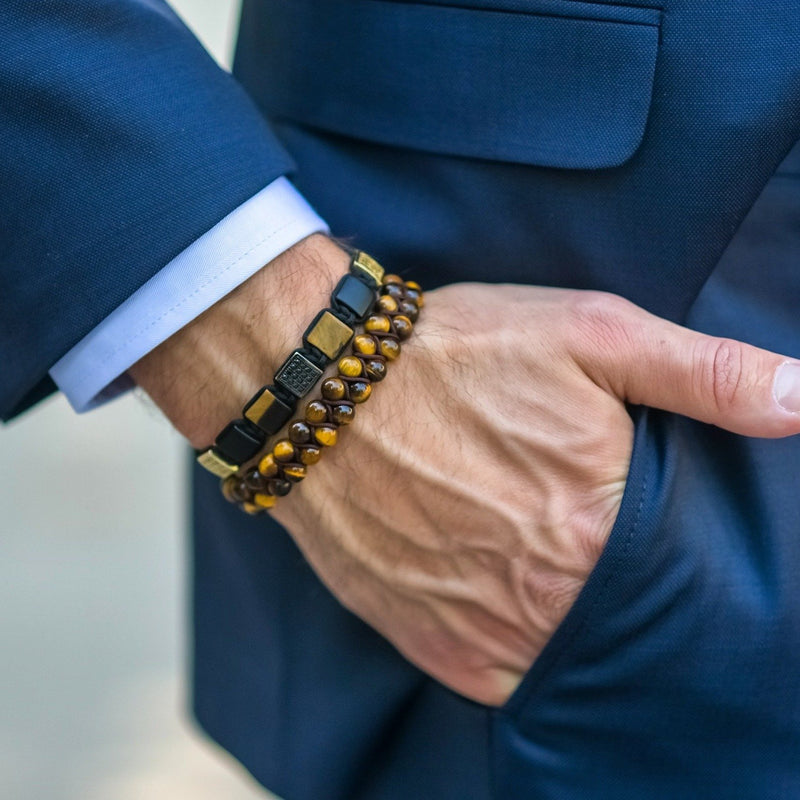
(554, 83)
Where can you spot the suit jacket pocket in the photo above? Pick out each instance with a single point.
(553, 83)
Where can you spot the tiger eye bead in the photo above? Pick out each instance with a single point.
(267, 466)
(403, 326)
(415, 296)
(365, 344)
(349, 366)
(410, 310)
(378, 323)
(393, 290)
(299, 432)
(392, 278)
(360, 391)
(390, 348)
(265, 500)
(326, 435)
(333, 389)
(252, 508)
(343, 414)
(294, 472)
(279, 487)
(387, 303)
(310, 454)
(375, 369)
(316, 411)
(233, 490)
(254, 480)
(283, 450)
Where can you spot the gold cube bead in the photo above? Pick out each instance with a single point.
(369, 266)
(329, 334)
(215, 463)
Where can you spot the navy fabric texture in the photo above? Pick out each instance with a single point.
(634, 147)
(121, 142)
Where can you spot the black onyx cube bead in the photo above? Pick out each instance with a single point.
(298, 374)
(268, 411)
(240, 441)
(354, 295)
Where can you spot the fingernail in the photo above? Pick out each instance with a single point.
(786, 388)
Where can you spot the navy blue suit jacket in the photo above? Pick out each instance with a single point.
(634, 147)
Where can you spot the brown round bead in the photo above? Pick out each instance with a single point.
(365, 344)
(415, 297)
(326, 435)
(393, 290)
(333, 389)
(279, 487)
(392, 278)
(379, 323)
(360, 391)
(238, 490)
(265, 500)
(403, 326)
(283, 450)
(390, 348)
(229, 491)
(300, 432)
(349, 366)
(343, 414)
(410, 310)
(252, 508)
(267, 466)
(387, 303)
(375, 369)
(254, 480)
(294, 472)
(316, 411)
(413, 285)
(310, 454)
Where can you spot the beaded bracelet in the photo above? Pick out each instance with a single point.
(323, 341)
(394, 314)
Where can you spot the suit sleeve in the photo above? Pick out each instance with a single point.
(121, 143)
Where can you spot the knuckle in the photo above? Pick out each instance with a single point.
(600, 318)
(722, 372)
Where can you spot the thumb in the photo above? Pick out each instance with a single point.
(646, 360)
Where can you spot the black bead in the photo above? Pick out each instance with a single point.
(269, 411)
(354, 295)
(240, 441)
(279, 487)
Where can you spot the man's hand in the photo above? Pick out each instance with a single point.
(462, 512)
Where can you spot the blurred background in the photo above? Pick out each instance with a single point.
(93, 595)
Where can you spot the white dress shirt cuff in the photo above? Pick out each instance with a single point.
(94, 371)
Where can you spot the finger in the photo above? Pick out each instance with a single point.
(646, 360)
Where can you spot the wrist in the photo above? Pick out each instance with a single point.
(202, 375)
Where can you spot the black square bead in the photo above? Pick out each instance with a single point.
(354, 295)
(268, 411)
(298, 374)
(240, 441)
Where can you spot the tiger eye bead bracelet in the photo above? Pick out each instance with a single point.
(323, 341)
(392, 321)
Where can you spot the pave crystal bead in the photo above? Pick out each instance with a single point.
(298, 374)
